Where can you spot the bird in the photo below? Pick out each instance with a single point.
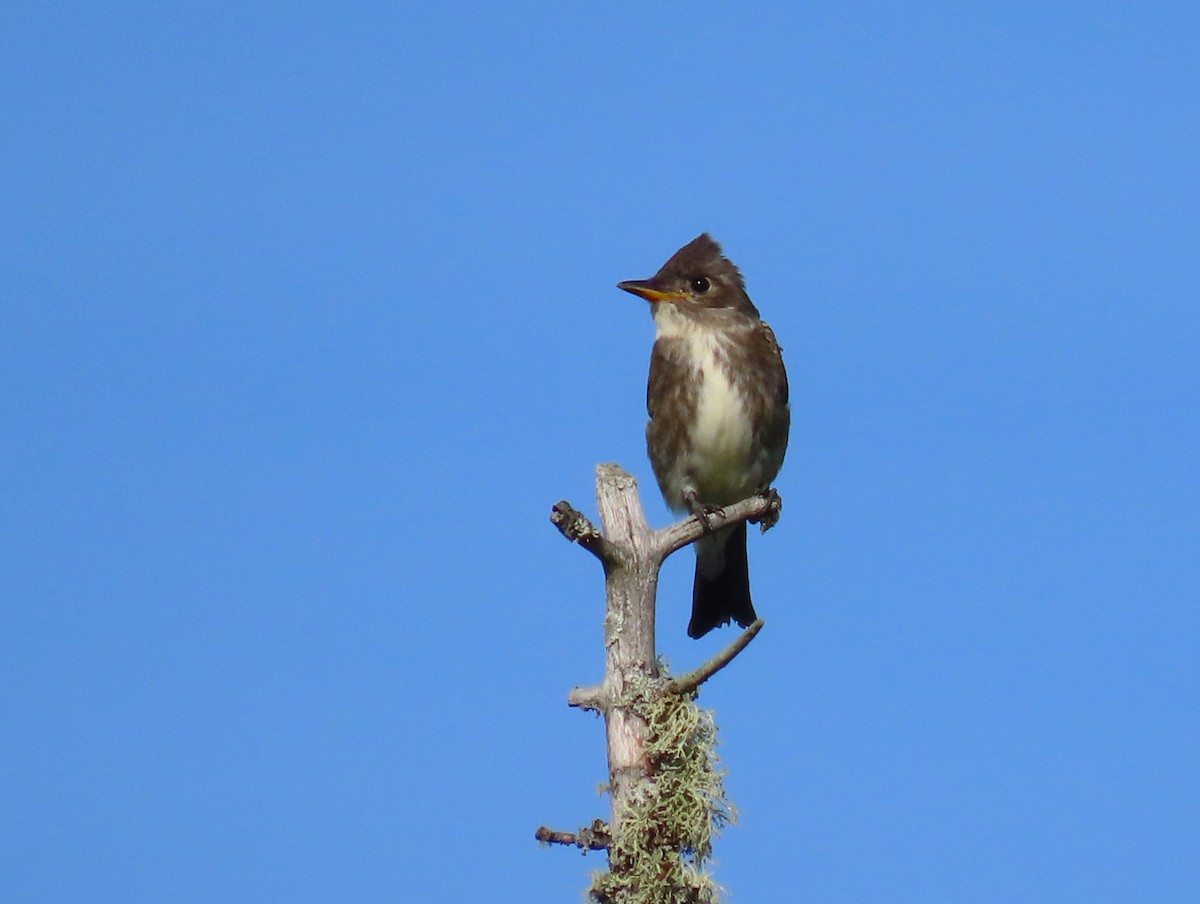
(717, 398)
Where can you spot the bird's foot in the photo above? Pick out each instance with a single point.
(702, 511)
(771, 517)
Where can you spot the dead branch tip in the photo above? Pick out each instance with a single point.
(590, 838)
(576, 527)
(687, 683)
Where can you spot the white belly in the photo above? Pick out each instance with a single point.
(722, 453)
(721, 438)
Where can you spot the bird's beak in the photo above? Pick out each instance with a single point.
(642, 288)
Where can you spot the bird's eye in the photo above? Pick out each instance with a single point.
(700, 285)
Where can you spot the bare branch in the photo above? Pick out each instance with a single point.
(575, 526)
(687, 683)
(771, 517)
(665, 809)
(590, 838)
(763, 508)
(587, 698)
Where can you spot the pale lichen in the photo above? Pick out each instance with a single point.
(660, 853)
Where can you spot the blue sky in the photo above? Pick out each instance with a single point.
(310, 316)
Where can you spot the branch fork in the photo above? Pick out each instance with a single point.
(632, 554)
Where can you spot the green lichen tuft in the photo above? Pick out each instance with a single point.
(662, 851)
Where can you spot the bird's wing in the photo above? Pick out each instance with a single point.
(771, 350)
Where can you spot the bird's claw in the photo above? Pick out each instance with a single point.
(707, 511)
(703, 511)
(771, 517)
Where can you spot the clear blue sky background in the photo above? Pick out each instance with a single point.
(309, 316)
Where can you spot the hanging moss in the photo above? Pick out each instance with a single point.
(662, 851)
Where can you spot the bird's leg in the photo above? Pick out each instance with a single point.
(701, 510)
(769, 519)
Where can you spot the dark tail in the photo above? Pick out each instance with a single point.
(721, 592)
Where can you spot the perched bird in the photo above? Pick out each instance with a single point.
(718, 404)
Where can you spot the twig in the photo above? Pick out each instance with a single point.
(573, 525)
(763, 508)
(587, 698)
(590, 838)
(771, 517)
(689, 682)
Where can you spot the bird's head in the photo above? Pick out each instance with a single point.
(697, 277)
